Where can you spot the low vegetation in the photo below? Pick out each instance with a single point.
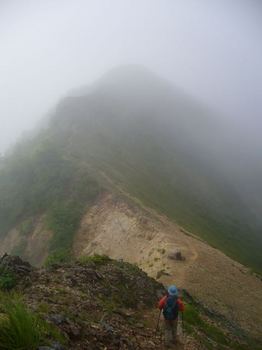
(94, 259)
(197, 323)
(20, 328)
(7, 279)
(37, 178)
(27, 227)
(123, 302)
(59, 257)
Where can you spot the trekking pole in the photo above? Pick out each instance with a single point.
(157, 326)
(182, 326)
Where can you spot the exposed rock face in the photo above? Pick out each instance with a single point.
(15, 265)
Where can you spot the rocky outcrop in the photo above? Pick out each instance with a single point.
(15, 265)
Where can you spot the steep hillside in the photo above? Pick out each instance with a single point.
(98, 303)
(43, 196)
(168, 151)
(154, 142)
(116, 226)
(122, 230)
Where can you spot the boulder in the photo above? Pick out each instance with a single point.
(15, 265)
(176, 255)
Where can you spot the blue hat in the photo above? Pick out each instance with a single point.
(172, 290)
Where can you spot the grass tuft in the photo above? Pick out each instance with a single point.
(7, 280)
(20, 328)
(95, 259)
(59, 257)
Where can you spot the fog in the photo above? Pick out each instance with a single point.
(211, 49)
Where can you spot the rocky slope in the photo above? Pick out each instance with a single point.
(99, 303)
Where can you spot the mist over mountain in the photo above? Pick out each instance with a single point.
(154, 142)
(130, 174)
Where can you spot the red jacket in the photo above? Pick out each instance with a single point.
(162, 303)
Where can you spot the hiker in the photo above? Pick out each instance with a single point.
(171, 304)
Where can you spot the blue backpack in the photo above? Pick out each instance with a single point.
(170, 310)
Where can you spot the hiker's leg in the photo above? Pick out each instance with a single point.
(168, 336)
(174, 330)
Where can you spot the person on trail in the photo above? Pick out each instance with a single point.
(171, 304)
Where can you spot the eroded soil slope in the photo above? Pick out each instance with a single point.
(123, 231)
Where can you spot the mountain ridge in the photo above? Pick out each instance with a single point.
(118, 129)
(152, 141)
(137, 172)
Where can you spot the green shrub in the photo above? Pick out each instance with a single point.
(21, 329)
(192, 318)
(59, 257)
(96, 259)
(63, 219)
(133, 268)
(7, 280)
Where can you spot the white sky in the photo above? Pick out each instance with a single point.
(211, 48)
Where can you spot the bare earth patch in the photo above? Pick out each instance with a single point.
(124, 231)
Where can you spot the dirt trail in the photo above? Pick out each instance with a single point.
(186, 342)
(122, 230)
